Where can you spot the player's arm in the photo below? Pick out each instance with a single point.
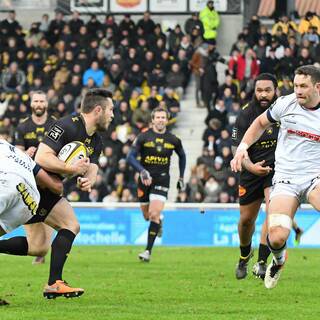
(45, 180)
(46, 157)
(182, 164)
(254, 132)
(86, 182)
(132, 160)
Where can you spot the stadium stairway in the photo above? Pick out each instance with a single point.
(189, 129)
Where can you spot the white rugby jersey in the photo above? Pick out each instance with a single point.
(13, 160)
(298, 147)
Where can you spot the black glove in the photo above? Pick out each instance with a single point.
(180, 185)
(145, 175)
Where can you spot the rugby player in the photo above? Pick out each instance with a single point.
(96, 113)
(296, 160)
(29, 133)
(155, 146)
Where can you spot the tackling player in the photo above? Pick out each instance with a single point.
(155, 146)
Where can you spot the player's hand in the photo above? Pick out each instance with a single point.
(84, 184)
(180, 184)
(146, 177)
(81, 166)
(258, 169)
(240, 155)
(31, 151)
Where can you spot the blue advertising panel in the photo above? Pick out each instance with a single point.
(182, 227)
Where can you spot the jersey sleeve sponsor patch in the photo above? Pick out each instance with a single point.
(55, 133)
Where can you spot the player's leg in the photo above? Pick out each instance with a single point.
(155, 208)
(298, 232)
(62, 218)
(246, 227)
(39, 237)
(260, 267)
(282, 209)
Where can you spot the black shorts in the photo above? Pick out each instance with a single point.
(48, 200)
(159, 186)
(251, 187)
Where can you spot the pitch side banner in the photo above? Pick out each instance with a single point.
(181, 227)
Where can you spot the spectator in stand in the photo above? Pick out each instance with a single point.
(212, 189)
(196, 65)
(146, 24)
(13, 79)
(10, 24)
(228, 83)
(94, 73)
(175, 79)
(141, 117)
(93, 26)
(311, 36)
(75, 23)
(157, 78)
(193, 23)
(210, 20)
(310, 19)
(174, 39)
(171, 101)
(286, 66)
(284, 23)
(304, 58)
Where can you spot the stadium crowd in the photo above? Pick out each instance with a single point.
(288, 45)
(145, 66)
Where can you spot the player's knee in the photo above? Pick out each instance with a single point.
(154, 216)
(247, 221)
(279, 228)
(39, 250)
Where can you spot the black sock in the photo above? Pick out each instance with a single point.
(17, 246)
(264, 252)
(60, 248)
(152, 234)
(245, 251)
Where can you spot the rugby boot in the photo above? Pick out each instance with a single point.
(61, 288)
(259, 269)
(242, 266)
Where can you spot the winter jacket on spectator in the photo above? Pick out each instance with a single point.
(238, 64)
(94, 73)
(210, 20)
(13, 79)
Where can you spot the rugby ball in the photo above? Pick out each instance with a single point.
(72, 152)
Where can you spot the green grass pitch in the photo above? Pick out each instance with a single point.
(179, 283)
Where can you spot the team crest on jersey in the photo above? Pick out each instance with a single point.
(269, 131)
(242, 191)
(55, 133)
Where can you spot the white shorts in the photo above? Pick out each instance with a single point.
(16, 207)
(299, 188)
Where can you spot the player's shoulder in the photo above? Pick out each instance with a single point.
(173, 137)
(287, 100)
(24, 121)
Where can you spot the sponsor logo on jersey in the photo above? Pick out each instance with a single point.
(156, 160)
(27, 198)
(308, 135)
